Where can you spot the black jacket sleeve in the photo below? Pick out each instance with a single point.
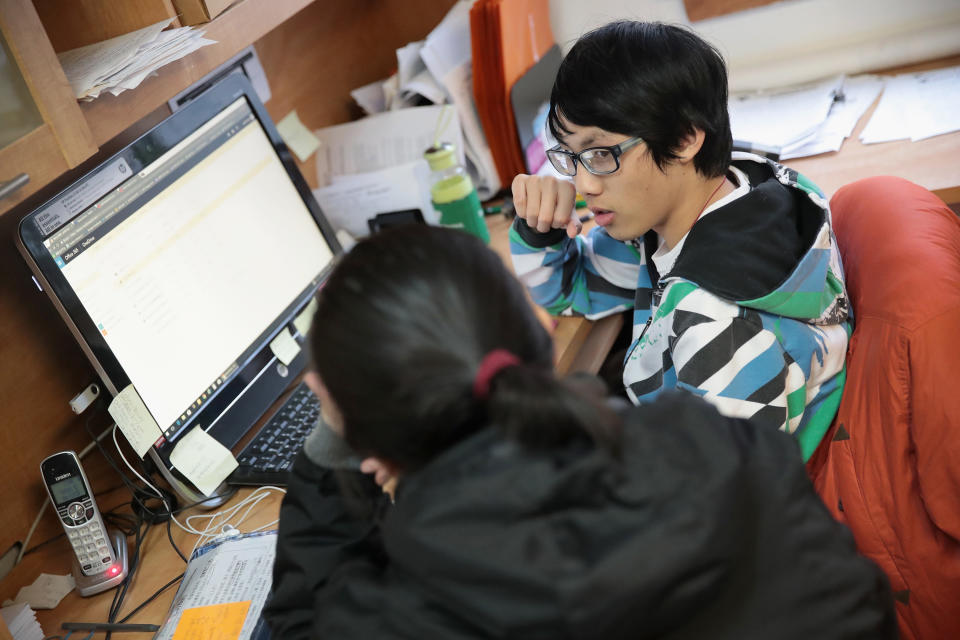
(327, 518)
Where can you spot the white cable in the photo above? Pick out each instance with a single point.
(46, 499)
(222, 522)
(156, 491)
(218, 522)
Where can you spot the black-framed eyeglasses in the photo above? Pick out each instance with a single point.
(599, 161)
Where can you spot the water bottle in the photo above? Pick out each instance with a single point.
(453, 193)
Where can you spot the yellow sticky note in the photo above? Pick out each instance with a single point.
(134, 420)
(213, 622)
(304, 319)
(285, 346)
(301, 140)
(203, 460)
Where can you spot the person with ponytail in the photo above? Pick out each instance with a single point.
(520, 504)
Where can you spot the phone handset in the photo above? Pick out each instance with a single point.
(72, 498)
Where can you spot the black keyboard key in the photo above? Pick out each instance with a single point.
(268, 457)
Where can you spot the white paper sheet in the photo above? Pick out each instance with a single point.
(938, 111)
(858, 94)
(782, 117)
(351, 200)
(916, 106)
(46, 591)
(384, 140)
(370, 97)
(448, 45)
(134, 420)
(459, 84)
(204, 461)
(21, 622)
(447, 78)
(85, 66)
(233, 570)
(888, 121)
(123, 62)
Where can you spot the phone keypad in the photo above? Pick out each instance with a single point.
(87, 536)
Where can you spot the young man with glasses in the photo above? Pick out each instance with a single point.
(727, 259)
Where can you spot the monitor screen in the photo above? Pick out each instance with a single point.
(178, 259)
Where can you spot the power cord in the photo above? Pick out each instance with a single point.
(144, 515)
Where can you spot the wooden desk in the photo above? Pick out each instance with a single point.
(158, 565)
(933, 163)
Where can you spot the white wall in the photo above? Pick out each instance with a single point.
(793, 40)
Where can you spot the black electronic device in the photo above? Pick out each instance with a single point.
(72, 499)
(178, 260)
(268, 458)
(383, 221)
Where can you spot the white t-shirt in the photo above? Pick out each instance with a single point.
(664, 259)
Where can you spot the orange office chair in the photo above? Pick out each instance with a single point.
(890, 466)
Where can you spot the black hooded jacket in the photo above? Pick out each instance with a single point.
(703, 527)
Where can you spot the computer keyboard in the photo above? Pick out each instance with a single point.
(266, 460)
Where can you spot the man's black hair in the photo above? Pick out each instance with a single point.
(647, 79)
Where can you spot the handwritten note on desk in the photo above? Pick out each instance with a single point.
(213, 622)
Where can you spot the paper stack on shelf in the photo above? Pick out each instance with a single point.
(122, 63)
(508, 38)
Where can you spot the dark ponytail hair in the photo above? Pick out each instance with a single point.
(402, 325)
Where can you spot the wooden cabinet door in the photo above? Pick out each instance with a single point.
(42, 130)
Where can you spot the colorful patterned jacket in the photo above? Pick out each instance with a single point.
(753, 316)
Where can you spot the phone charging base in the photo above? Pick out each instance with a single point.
(108, 578)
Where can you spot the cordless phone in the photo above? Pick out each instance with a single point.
(72, 499)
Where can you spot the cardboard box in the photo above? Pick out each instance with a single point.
(199, 11)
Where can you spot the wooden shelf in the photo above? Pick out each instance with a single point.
(242, 24)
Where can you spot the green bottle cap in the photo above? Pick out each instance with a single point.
(441, 156)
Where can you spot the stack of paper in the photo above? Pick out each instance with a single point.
(124, 62)
(223, 589)
(782, 117)
(803, 120)
(375, 164)
(916, 106)
(22, 622)
(437, 70)
(854, 98)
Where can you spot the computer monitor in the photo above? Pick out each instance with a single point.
(177, 261)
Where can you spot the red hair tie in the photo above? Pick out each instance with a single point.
(492, 364)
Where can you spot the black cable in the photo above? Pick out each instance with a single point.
(134, 562)
(140, 521)
(155, 595)
(140, 528)
(174, 544)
